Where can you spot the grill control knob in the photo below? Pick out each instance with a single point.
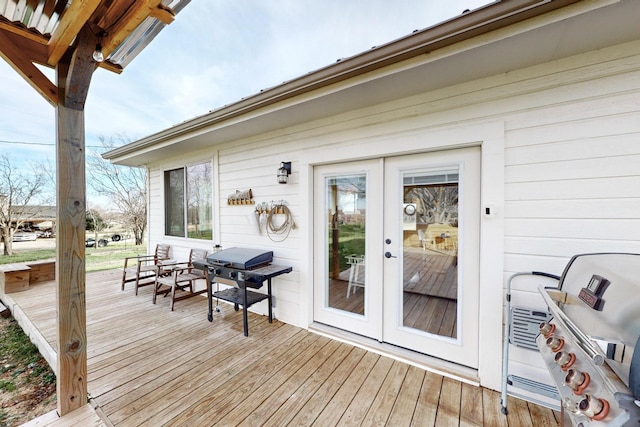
(593, 408)
(577, 380)
(565, 360)
(547, 329)
(555, 343)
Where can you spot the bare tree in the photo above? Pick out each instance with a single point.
(435, 203)
(126, 187)
(18, 188)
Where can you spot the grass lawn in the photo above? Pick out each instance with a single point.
(97, 259)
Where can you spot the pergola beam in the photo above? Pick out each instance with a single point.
(74, 18)
(23, 32)
(132, 18)
(163, 13)
(23, 65)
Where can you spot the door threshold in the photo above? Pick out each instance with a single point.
(419, 360)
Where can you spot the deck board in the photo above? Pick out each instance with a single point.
(449, 404)
(427, 403)
(148, 366)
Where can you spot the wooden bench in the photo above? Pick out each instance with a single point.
(18, 277)
(42, 271)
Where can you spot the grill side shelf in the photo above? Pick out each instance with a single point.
(236, 296)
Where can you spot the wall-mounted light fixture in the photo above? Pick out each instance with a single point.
(284, 172)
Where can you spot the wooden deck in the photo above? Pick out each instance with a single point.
(149, 366)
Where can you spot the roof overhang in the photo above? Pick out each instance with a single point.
(500, 37)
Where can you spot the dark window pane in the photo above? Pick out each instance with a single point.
(174, 202)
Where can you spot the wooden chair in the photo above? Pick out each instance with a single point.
(423, 239)
(182, 276)
(144, 271)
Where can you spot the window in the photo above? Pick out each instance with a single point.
(188, 202)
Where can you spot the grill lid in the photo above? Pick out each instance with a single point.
(241, 258)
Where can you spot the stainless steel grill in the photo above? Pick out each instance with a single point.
(591, 346)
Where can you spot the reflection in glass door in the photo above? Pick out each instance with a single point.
(430, 252)
(346, 269)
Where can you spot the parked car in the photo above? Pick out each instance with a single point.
(91, 243)
(24, 236)
(48, 233)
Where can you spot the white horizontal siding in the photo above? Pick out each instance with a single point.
(572, 174)
(572, 165)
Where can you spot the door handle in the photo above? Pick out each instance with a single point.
(388, 255)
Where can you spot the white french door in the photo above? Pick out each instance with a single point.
(397, 251)
(347, 280)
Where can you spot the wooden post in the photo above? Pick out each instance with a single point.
(74, 73)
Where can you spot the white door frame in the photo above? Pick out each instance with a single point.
(491, 138)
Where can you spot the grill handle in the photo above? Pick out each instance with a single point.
(220, 263)
(542, 273)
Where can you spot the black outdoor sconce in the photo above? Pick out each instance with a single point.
(284, 172)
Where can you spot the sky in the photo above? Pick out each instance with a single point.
(213, 54)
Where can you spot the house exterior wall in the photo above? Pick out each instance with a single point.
(561, 164)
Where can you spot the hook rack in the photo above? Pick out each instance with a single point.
(275, 206)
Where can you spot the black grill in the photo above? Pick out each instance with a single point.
(242, 268)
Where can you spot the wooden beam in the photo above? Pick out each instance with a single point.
(114, 68)
(71, 384)
(73, 76)
(71, 21)
(163, 13)
(82, 67)
(23, 32)
(23, 65)
(133, 17)
(30, 49)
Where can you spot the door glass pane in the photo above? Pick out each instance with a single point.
(345, 225)
(430, 252)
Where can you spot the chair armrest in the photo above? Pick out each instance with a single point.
(137, 258)
(140, 257)
(172, 266)
(177, 273)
